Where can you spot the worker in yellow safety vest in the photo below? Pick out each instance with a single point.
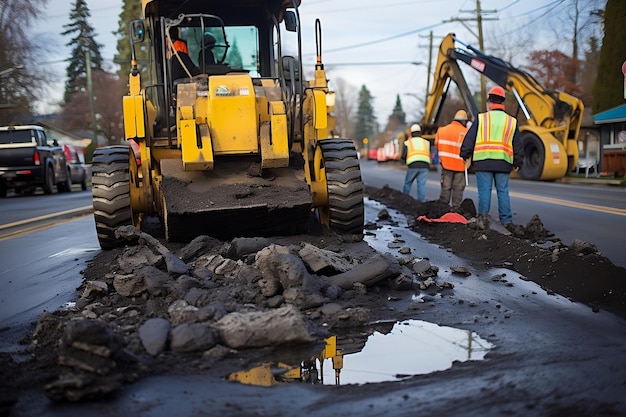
(495, 145)
(448, 140)
(416, 155)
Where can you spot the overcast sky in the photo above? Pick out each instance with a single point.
(355, 32)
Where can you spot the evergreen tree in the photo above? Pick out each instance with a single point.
(608, 89)
(82, 42)
(131, 10)
(233, 57)
(366, 124)
(397, 110)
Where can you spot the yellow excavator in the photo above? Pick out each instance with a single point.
(269, 374)
(228, 137)
(549, 120)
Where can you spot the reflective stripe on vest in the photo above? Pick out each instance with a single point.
(418, 150)
(494, 138)
(449, 140)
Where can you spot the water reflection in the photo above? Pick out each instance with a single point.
(391, 352)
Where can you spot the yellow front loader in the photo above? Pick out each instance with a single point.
(228, 138)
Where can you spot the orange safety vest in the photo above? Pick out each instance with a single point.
(418, 150)
(494, 137)
(448, 141)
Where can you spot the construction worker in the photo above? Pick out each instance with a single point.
(206, 55)
(448, 140)
(416, 154)
(495, 145)
(178, 54)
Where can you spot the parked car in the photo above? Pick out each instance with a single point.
(28, 160)
(76, 161)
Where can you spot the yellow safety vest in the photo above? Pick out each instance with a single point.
(494, 137)
(418, 150)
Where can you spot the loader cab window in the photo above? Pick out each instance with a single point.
(238, 52)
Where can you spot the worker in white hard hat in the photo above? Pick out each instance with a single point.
(495, 145)
(448, 141)
(416, 155)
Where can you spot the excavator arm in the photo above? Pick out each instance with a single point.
(446, 71)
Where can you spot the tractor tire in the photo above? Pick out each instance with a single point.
(344, 185)
(111, 193)
(48, 185)
(534, 157)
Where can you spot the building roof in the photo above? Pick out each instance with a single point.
(616, 114)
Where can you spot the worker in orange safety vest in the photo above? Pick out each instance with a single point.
(178, 54)
(448, 141)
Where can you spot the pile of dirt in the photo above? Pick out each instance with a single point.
(575, 270)
(148, 308)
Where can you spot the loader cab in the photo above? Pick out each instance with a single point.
(244, 39)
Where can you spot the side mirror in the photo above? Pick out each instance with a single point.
(291, 22)
(137, 31)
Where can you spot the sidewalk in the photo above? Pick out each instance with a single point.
(601, 180)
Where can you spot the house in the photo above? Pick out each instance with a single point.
(612, 127)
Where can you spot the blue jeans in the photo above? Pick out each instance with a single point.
(484, 181)
(421, 174)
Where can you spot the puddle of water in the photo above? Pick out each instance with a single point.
(397, 352)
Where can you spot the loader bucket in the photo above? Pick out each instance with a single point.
(230, 202)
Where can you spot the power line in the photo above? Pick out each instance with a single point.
(346, 64)
(389, 38)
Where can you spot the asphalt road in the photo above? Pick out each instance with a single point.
(45, 243)
(40, 272)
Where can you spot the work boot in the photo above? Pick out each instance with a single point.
(468, 207)
(515, 229)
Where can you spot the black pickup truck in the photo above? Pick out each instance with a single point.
(28, 161)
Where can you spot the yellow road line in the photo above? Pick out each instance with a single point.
(573, 204)
(559, 202)
(38, 227)
(45, 217)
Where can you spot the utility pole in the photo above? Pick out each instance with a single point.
(430, 38)
(430, 64)
(479, 22)
(94, 127)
